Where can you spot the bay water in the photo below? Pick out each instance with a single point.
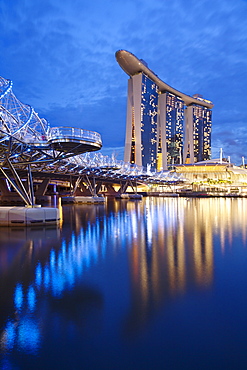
(159, 283)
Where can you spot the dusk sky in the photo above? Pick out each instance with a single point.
(60, 56)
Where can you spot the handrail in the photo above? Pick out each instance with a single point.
(73, 132)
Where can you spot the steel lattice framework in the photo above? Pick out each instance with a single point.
(17, 119)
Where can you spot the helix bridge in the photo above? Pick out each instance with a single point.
(30, 148)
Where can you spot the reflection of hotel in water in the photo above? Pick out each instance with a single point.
(177, 248)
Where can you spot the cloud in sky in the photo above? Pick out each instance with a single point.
(61, 58)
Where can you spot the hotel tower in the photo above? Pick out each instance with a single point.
(163, 126)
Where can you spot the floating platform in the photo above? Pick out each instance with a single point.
(95, 200)
(130, 196)
(83, 200)
(26, 216)
(169, 195)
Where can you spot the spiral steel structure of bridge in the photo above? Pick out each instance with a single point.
(28, 143)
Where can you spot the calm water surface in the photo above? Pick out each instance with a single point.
(154, 284)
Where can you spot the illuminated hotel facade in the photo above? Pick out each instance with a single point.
(163, 125)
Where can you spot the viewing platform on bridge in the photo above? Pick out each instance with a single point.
(74, 140)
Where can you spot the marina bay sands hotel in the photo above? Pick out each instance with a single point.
(164, 126)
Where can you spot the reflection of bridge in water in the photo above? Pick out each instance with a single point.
(31, 150)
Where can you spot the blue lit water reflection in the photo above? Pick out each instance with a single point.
(158, 284)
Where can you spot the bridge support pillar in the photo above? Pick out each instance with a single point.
(4, 188)
(42, 188)
(110, 190)
(98, 187)
(7, 196)
(123, 187)
(85, 186)
(81, 190)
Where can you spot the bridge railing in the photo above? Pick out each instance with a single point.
(63, 133)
